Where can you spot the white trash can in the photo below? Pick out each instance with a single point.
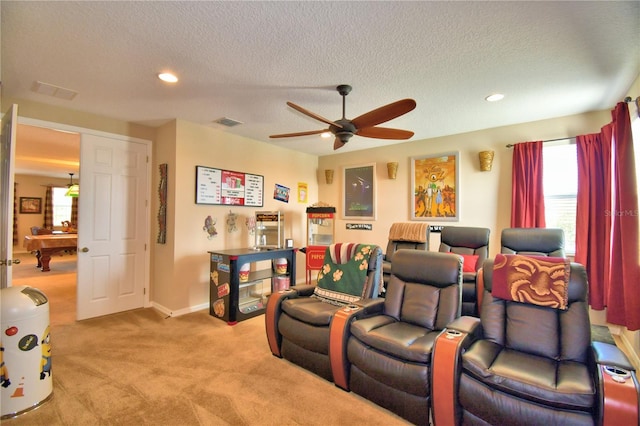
(25, 357)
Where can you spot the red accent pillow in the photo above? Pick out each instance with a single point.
(469, 263)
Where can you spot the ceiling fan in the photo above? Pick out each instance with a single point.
(364, 125)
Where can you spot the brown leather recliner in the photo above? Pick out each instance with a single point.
(298, 320)
(414, 236)
(473, 245)
(527, 241)
(527, 364)
(386, 354)
(533, 241)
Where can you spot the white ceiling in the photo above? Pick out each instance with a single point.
(47, 152)
(244, 60)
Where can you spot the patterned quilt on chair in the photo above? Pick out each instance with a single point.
(537, 280)
(343, 276)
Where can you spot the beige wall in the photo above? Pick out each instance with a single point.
(72, 117)
(162, 255)
(484, 197)
(181, 269)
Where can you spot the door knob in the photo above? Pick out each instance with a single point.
(84, 249)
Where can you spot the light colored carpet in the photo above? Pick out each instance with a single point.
(59, 284)
(140, 368)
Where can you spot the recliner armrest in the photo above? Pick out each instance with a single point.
(446, 365)
(619, 390)
(370, 306)
(339, 333)
(608, 354)
(272, 315)
(470, 326)
(303, 290)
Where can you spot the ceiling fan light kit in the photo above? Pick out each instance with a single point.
(363, 125)
(73, 188)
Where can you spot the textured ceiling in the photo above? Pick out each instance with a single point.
(244, 60)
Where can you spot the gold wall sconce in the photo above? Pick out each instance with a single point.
(392, 169)
(328, 175)
(486, 160)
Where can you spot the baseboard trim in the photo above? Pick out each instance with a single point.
(631, 353)
(615, 329)
(170, 313)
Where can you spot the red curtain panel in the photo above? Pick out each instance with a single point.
(593, 224)
(607, 221)
(527, 195)
(624, 289)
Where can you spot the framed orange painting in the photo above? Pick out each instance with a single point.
(435, 187)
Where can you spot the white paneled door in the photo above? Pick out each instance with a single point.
(112, 226)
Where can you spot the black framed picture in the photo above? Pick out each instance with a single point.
(228, 188)
(359, 192)
(30, 205)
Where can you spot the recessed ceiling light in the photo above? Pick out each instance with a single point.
(168, 77)
(325, 135)
(495, 97)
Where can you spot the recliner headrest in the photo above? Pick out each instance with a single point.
(578, 282)
(533, 241)
(416, 232)
(464, 236)
(427, 267)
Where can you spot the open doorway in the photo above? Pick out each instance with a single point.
(44, 158)
(117, 170)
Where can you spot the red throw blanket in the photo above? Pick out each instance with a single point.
(537, 280)
(342, 252)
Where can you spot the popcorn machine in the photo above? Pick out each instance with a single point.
(321, 226)
(270, 230)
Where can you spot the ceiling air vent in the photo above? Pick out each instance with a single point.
(55, 91)
(227, 122)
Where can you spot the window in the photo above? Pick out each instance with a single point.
(560, 173)
(61, 206)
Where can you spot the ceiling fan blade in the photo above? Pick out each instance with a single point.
(337, 144)
(313, 115)
(291, 135)
(384, 113)
(384, 133)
